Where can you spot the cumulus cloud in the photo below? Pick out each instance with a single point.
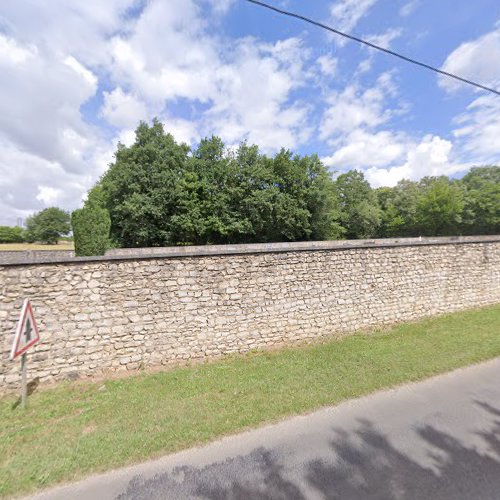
(328, 65)
(123, 110)
(409, 8)
(476, 60)
(478, 127)
(49, 195)
(246, 87)
(362, 149)
(78, 76)
(46, 148)
(431, 157)
(130, 60)
(357, 126)
(385, 39)
(13, 54)
(347, 13)
(252, 101)
(355, 107)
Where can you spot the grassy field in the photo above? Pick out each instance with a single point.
(62, 245)
(78, 428)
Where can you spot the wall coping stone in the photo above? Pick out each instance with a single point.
(245, 249)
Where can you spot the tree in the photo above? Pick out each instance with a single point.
(399, 206)
(482, 200)
(48, 225)
(157, 193)
(439, 207)
(142, 189)
(222, 217)
(360, 212)
(91, 227)
(11, 234)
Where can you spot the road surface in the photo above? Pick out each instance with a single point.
(438, 439)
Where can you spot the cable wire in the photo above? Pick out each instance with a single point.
(374, 46)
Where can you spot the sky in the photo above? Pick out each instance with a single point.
(76, 77)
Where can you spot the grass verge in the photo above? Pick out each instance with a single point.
(62, 245)
(75, 429)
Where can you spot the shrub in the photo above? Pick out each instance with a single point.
(91, 230)
(11, 234)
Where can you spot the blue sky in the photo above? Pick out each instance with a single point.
(77, 77)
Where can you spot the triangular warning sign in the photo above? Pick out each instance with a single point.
(26, 333)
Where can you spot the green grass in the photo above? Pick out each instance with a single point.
(75, 429)
(62, 245)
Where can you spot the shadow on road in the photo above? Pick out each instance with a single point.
(363, 465)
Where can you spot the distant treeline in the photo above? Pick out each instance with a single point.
(48, 226)
(158, 193)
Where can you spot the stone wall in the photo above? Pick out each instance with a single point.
(16, 256)
(125, 312)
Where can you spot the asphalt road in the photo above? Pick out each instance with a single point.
(439, 439)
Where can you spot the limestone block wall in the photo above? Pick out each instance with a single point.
(126, 312)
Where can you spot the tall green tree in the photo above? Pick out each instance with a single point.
(48, 225)
(360, 211)
(143, 190)
(158, 192)
(440, 207)
(219, 203)
(399, 207)
(482, 200)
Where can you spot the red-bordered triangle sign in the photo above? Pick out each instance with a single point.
(27, 332)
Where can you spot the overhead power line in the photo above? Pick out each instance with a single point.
(373, 46)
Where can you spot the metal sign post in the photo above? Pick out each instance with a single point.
(24, 385)
(26, 336)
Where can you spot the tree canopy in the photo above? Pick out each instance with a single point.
(48, 225)
(159, 192)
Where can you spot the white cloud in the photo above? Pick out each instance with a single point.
(476, 60)
(253, 93)
(478, 130)
(409, 8)
(29, 183)
(327, 65)
(364, 66)
(78, 28)
(385, 39)
(166, 54)
(11, 53)
(431, 157)
(220, 7)
(40, 109)
(352, 126)
(354, 108)
(49, 195)
(183, 130)
(362, 149)
(123, 110)
(347, 13)
(126, 137)
(155, 58)
(478, 127)
(246, 86)
(82, 71)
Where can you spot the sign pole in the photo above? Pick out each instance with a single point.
(25, 337)
(24, 386)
